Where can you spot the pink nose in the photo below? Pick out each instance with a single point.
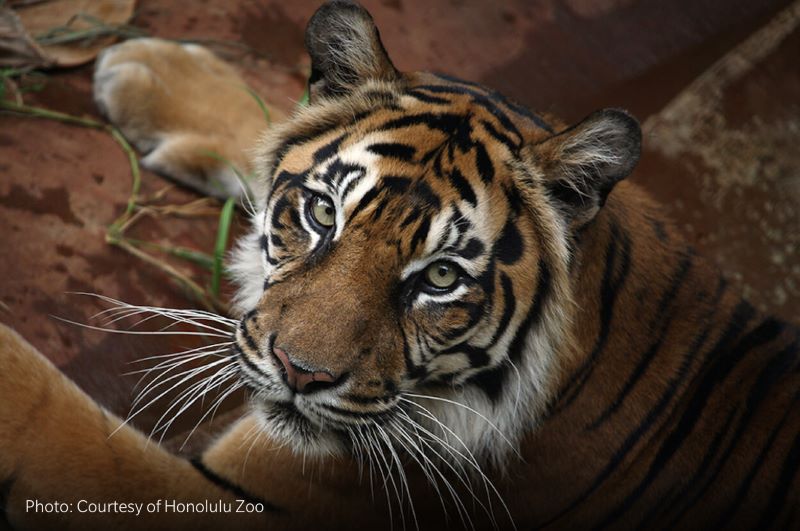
(299, 379)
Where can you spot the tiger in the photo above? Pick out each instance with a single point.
(452, 312)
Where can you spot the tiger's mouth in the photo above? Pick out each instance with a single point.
(314, 426)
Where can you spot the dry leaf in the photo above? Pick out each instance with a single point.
(17, 49)
(49, 21)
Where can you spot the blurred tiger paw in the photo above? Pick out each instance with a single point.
(186, 110)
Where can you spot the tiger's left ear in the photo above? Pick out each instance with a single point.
(346, 50)
(582, 164)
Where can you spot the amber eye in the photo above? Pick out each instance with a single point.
(441, 275)
(322, 211)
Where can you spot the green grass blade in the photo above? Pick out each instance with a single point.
(204, 260)
(304, 99)
(242, 178)
(260, 103)
(223, 229)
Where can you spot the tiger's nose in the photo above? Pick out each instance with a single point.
(300, 379)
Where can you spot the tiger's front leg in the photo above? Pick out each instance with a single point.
(56, 446)
(63, 460)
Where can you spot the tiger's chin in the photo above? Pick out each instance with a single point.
(304, 434)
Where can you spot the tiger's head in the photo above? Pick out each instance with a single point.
(409, 265)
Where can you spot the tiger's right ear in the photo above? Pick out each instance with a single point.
(345, 49)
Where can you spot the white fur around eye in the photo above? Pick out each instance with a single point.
(424, 298)
(314, 236)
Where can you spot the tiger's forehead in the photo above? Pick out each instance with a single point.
(382, 185)
(428, 163)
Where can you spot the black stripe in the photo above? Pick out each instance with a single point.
(509, 247)
(723, 360)
(376, 214)
(778, 497)
(512, 146)
(689, 356)
(659, 228)
(437, 163)
(677, 281)
(224, 484)
(351, 186)
(491, 381)
(774, 370)
(264, 240)
(289, 143)
(247, 337)
(459, 224)
(286, 177)
(543, 290)
(410, 218)
(478, 357)
(708, 458)
(356, 414)
(610, 287)
(744, 486)
(365, 200)
(314, 131)
(472, 249)
(644, 363)
(510, 303)
(428, 98)
(499, 98)
(484, 163)
(280, 206)
(424, 196)
(395, 184)
(515, 200)
(420, 234)
(447, 123)
(453, 79)
(370, 400)
(511, 104)
(488, 101)
(335, 173)
(393, 150)
(462, 186)
(328, 150)
(413, 370)
(633, 379)
(742, 314)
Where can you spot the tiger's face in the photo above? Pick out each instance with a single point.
(389, 248)
(409, 251)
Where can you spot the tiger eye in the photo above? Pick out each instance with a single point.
(323, 212)
(441, 275)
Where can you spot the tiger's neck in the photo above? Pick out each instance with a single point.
(646, 307)
(641, 296)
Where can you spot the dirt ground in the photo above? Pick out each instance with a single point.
(715, 83)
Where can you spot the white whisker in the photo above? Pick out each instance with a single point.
(142, 332)
(471, 410)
